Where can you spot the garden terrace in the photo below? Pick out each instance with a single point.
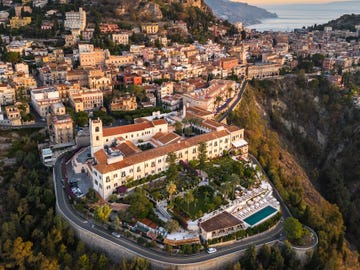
(202, 200)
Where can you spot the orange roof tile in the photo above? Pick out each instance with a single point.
(160, 151)
(126, 129)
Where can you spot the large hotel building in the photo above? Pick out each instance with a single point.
(119, 159)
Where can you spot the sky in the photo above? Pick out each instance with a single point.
(274, 2)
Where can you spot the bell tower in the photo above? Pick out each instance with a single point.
(96, 135)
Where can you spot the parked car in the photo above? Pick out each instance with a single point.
(115, 234)
(211, 250)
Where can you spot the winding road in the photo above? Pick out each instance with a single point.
(65, 209)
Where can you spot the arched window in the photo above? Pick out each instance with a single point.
(97, 129)
(97, 138)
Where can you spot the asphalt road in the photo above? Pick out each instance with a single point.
(67, 211)
(234, 104)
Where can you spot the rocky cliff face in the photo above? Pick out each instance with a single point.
(320, 125)
(238, 12)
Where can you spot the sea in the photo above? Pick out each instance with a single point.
(293, 16)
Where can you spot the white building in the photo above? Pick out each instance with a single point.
(42, 99)
(75, 21)
(118, 158)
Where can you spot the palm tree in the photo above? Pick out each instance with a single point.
(171, 188)
(189, 198)
(229, 91)
(217, 101)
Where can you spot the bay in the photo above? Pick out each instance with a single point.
(292, 16)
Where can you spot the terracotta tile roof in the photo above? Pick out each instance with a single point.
(138, 126)
(158, 122)
(128, 148)
(168, 138)
(126, 129)
(160, 151)
(233, 128)
(220, 221)
(148, 223)
(100, 156)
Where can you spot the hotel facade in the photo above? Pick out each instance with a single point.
(118, 159)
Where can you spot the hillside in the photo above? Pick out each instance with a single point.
(345, 22)
(306, 135)
(197, 15)
(239, 12)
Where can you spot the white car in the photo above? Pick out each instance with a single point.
(115, 234)
(211, 250)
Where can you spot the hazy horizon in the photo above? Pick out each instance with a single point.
(281, 2)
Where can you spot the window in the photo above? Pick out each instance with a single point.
(96, 182)
(123, 174)
(138, 169)
(159, 170)
(107, 179)
(159, 161)
(146, 165)
(95, 172)
(115, 185)
(153, 164)
(108, 187)
(131, 170)
(194, 150)
(97, 138)
(215, 143)
(226, 140)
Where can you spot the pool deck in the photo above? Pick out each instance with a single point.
(254, 220)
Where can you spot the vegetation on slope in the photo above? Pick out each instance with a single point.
(345, 22)
(290, 179)
(32, 236)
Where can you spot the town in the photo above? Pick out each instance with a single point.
(143, 113)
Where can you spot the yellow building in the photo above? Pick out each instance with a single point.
(93, 58)
(17, 22)
(150, 28)
(126, 103)
(13, 114)
(86, 100)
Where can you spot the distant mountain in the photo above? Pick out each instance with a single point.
(239, 12)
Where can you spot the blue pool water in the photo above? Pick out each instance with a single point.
(260, 215)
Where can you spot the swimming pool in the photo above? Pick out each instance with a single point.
(260, 215)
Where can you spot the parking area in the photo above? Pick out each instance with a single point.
(77, 175)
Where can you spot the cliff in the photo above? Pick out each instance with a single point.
(238, 12)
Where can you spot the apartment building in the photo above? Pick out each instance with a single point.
(75, 20)
(61, 129)
(17, 22)
(119, 60)
(150, 28)
(42, 98)
(121, 38)
(92, 57)
(212, 97)
(125, 103)
(86, 100)
(13, 114)
(7, 94)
